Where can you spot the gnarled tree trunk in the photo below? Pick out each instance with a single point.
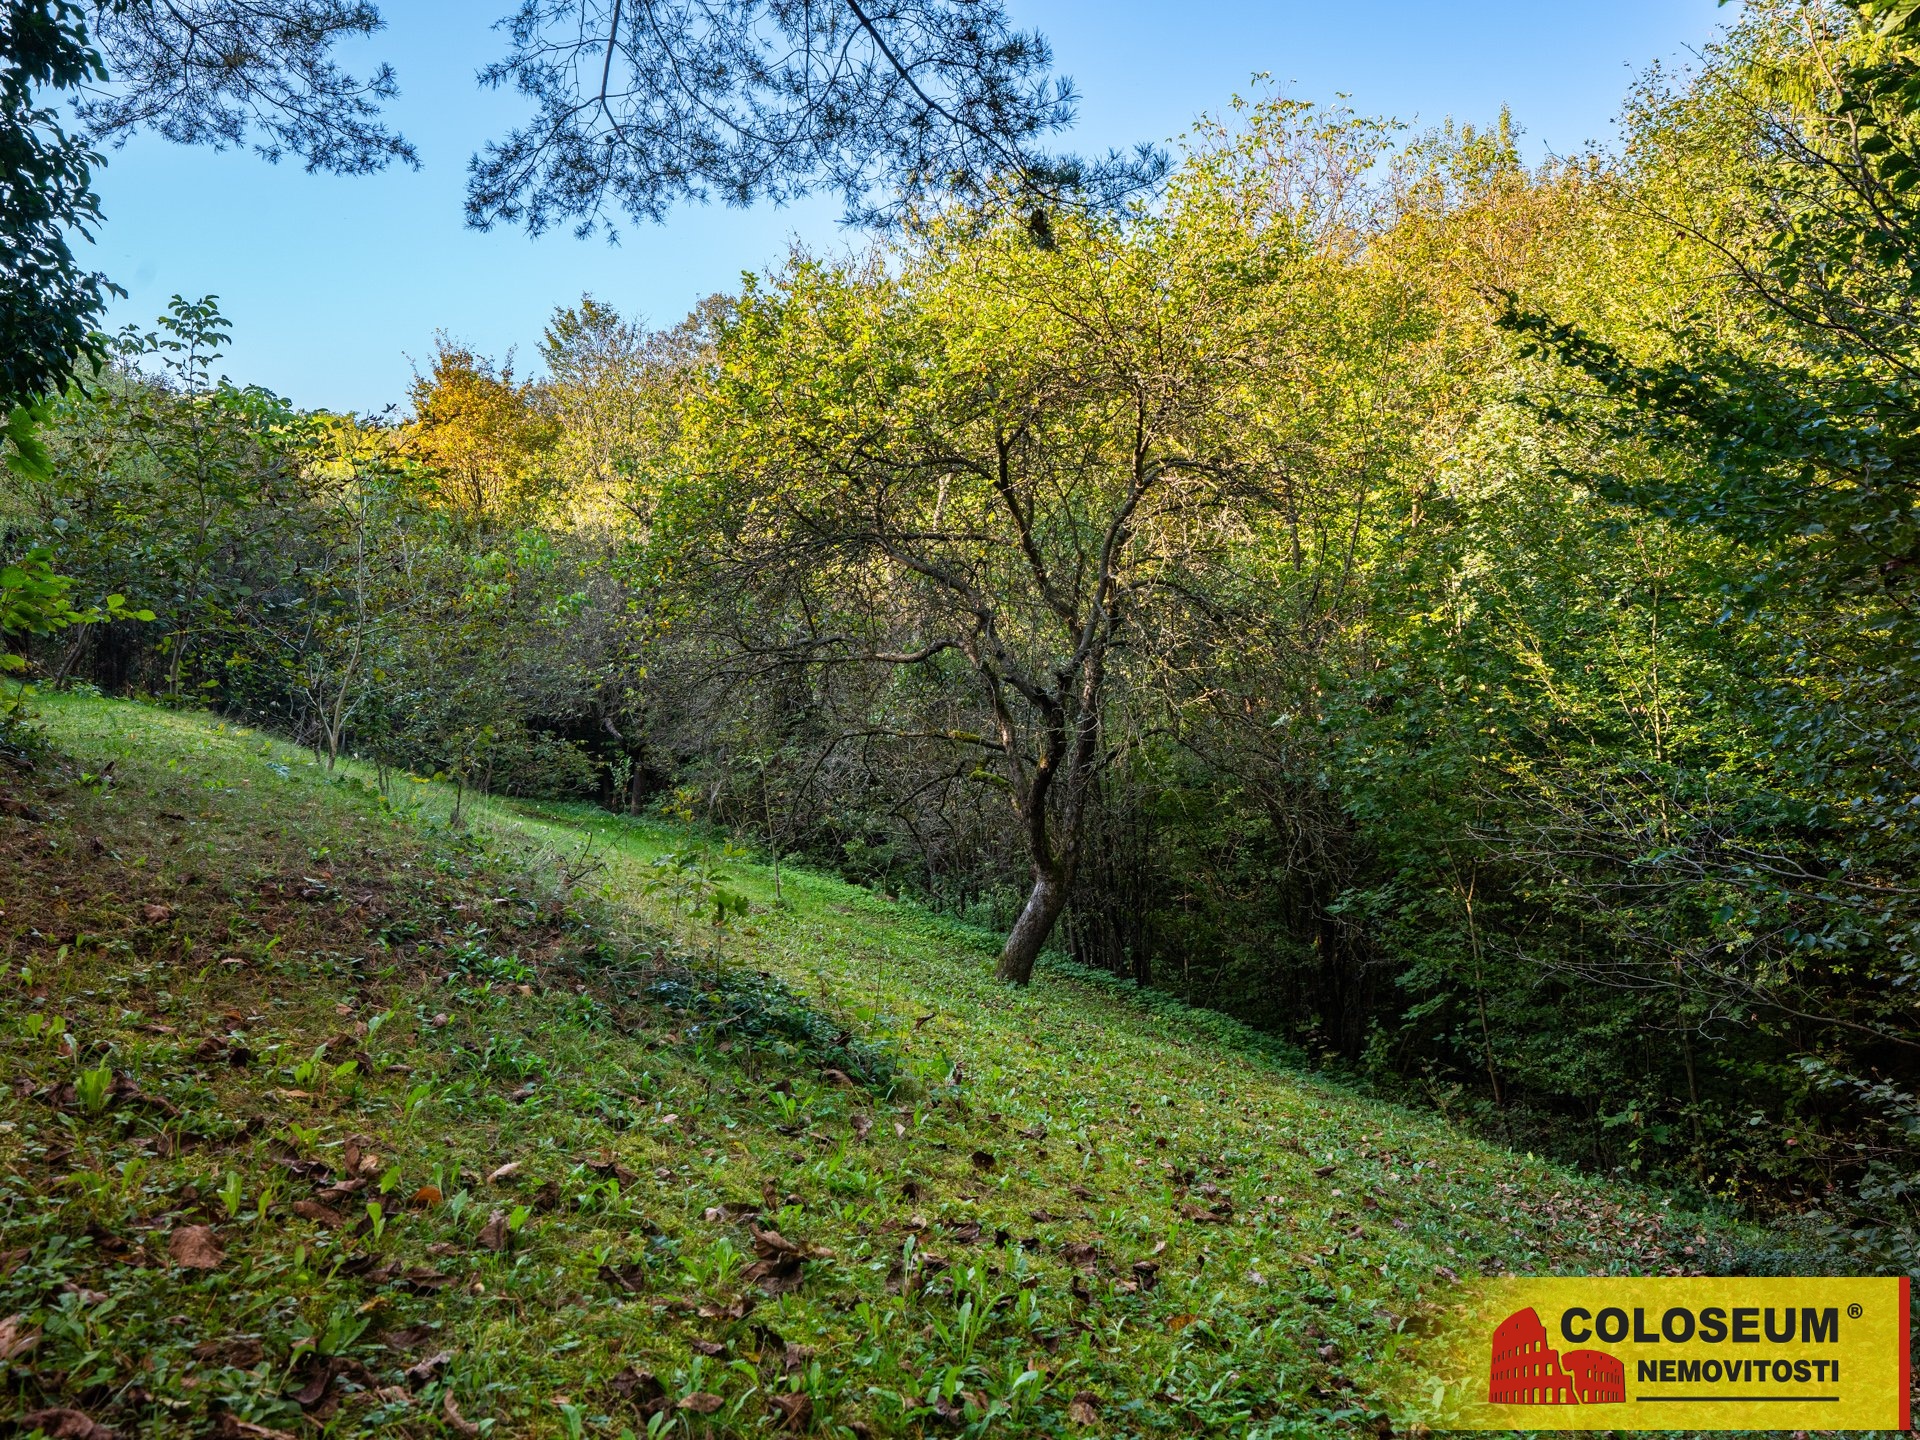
(1031, 930)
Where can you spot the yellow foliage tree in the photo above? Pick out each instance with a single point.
(483, 436)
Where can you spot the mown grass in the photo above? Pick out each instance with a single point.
(812, 1171)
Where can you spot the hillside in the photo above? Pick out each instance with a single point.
(325, 1118)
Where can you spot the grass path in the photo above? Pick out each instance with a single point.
(1073, 1209)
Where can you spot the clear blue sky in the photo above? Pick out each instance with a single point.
(333, 284)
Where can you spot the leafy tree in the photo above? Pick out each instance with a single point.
(480, 434)
(47, 298)
(640, 106)
(1016, 463)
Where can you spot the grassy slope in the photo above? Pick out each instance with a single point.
(1063, 1210)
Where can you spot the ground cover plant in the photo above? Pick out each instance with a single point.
(323, 1117)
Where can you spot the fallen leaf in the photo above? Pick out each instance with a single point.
(439, 1022)
(1146, 1273)
(426, 1196)
(795, 1409)
(320, 1214)
(770, 1244)
(639, 1386)
(16, 1339)
(862, 1126)
(493, 1236)
(776, 1277)
(712, 1349)
(428, 1369)
(63, 1425)
(701, 1402)
(242, 1352)
(630, 1278)
(450, 1411)
(730, 1212)
(1084, 1408)
(505, 1172)
(1323, 1171)
(193, 1247)
(837, 1077)
(982, 1159)
(231, 1427)
(156, 914)
(315, 1392)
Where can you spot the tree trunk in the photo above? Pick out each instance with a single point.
(1031, 930)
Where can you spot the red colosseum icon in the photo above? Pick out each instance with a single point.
(1525, 1371)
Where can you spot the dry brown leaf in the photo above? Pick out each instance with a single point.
(320, 1214)
(426, 1196)
(505, 1172)
(982, 1159)
(776, 1277)
(837, 1077)
(428, 1369)
(231, 1427)
(770, 1244)
(1084, 1408)
(494, 1235)
(16, 1339)
(193, 1247)
(701, 1402)
(59, 1424)
(240, 1351)
(227, 1426)
(738, 1308)
(712, 1349)
(640, 1386)
(450, 1412)
(794, 1409)
(862, 1126)
(156, 914)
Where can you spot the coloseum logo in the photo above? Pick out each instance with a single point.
(1640, 1353)
(1526, 1370)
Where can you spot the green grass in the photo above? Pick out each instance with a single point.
(237, 987)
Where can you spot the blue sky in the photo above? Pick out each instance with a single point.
(335, 286)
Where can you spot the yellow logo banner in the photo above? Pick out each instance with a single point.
(1602, 1353)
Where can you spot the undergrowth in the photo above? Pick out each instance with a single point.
(325, 1118)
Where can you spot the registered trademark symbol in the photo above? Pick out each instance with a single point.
(1853, 1312)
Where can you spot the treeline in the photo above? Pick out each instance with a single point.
(1455, 615)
